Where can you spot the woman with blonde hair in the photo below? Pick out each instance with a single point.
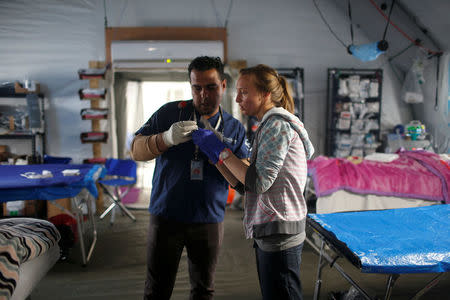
(275, 209)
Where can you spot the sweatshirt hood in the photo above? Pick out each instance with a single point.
(296, 124)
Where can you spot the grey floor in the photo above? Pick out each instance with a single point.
(117, 269)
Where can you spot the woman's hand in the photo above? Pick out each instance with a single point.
(208, 143)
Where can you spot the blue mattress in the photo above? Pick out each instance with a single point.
(14, 186)
(407, 240)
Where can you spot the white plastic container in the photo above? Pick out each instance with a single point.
(15, 208)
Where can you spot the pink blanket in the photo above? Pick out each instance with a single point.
(415, 174)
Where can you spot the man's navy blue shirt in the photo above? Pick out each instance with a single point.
(174, 195)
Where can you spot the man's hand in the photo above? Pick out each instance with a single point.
(208, 142)
(179, 132)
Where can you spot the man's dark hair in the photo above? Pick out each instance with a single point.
(205, 63)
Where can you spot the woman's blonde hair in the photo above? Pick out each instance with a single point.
(267, 80)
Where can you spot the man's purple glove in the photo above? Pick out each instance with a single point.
(208, 143)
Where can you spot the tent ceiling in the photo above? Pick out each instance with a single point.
(434, 15)
(431, 15)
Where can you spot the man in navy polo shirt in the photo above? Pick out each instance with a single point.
(189, 194)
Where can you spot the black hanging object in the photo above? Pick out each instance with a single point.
(383, 45)
(348, 50)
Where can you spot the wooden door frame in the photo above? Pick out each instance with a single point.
(165, 34)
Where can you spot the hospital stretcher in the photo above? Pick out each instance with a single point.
(392, 242)
(55, 181)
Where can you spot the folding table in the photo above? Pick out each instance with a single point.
(54, 181)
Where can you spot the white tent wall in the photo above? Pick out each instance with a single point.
(292, 34)
(49, 40)
(434, 108)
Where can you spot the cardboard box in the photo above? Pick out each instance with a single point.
(53, 210)
(29, 208)
(4, 149)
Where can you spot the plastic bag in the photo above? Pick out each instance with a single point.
(412, 86)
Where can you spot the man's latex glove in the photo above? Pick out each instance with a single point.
(179, 132)
(208, 143)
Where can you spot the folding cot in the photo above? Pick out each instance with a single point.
(393, 242)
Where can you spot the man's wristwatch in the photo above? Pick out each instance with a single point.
(224, 155)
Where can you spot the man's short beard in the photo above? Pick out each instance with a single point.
(205, 113)
(209, 112)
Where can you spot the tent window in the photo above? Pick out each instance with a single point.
(157, 93)
(154, 95)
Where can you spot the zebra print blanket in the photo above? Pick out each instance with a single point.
(22, 239)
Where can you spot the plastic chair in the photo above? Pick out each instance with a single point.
(120, 173)
(48, 159)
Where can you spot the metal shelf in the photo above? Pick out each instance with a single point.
(21, 100)
(296, 77)
(16, 136)
(334, 99)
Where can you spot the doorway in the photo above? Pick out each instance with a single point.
(143, 99)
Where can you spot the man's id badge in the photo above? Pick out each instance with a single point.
(196, 169)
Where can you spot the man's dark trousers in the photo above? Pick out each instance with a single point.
(166, 240)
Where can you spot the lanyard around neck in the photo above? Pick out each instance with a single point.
(219, 120)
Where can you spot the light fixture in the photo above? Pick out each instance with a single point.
(364, 52)
(368, 52)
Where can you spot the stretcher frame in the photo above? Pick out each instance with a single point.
(341, 251)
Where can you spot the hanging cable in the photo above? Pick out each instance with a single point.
(328, 25)
(106, 19)
(124, 7)
(393, 68)
(401, 31)
(388, 20)
(436, 100)
(228, 13)
(351, 21)
(402, 51)
(395, 26)
(383, 45)
(216, 12)
(113, 31)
